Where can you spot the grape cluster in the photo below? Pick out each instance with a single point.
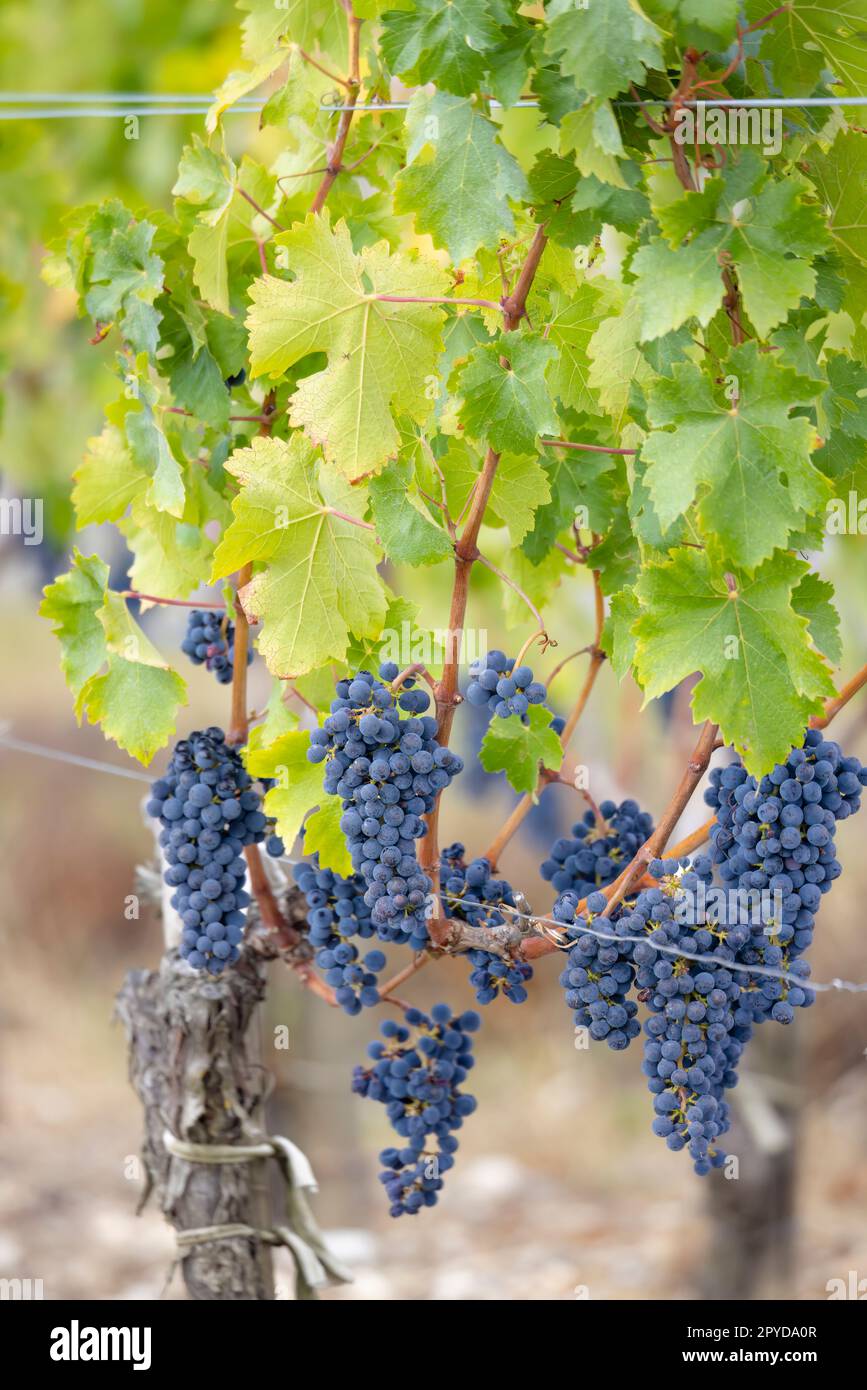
(210, 641)
(598, 974)
(470, 894)
(595, 854)
(505, 688)
(416, 1073)
(336, 911)
(209, 809)
(696, 1032)
(388, 771)
(776, 837)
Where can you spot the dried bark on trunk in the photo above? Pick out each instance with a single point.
(194, 1065)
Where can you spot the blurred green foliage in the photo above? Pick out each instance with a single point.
(53, 390)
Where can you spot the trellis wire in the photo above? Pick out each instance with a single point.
(94, 765)
(57, 106)
(702, 959)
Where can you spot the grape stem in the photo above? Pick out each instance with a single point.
(352, 84)
(261, 211)
(525, 598)
(548, 775)
(169, 602)
(590, 448)
(416, 668)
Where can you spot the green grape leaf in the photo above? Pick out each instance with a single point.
(603, 46)
(843, 456)
(400, 640)
(508, 406)
(812, 599)
(762, 226)
(196, 379)
(574, 319)
(518, 749)
(452, 154)
(840, 176)
(520, 488)
(117, 676)
(762, 678)
(136, 700)
(206, 183)
(320, 578)
(538, 582)
(107, 481)
(150, 449)
(309, 23)
(407, 533)
(697, 23)
(592, 133)
(746, 460)
(299, 782)
(124, 276)
(71, 603)
(810, 36)
(445, 44)
(617, 362)
(618, 638)
(279, 718)
(323, 837)
(240, 84)
(172, 558)
(576, 479)
(380, 354)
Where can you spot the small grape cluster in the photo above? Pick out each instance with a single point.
(776, 836)
(336, 912)
(505, 688)
(471, 894)
(388, 771)
(210, 642)
(209, 809)
(416, 1074)
(595, 854)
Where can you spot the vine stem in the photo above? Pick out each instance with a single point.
(261, 211)
(589, 448)
(838, 702)
(434, 299)
(655, 843)
(523, 808)
(169, 602)
(352, 83)
(525, 598)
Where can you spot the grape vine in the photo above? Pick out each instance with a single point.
(619, 379)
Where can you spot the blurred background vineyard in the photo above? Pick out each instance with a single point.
(561, 1191)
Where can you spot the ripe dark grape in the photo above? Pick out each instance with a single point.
(416, 1072)
(505, 689)
(210, 641)
(470, 894)
(595, 854)
(388, 771)
(776, 837)
(209, 809)
(336, 913)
